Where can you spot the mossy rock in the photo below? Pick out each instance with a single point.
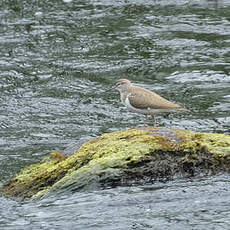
(123, 158)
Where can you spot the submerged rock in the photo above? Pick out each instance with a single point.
(123, 158)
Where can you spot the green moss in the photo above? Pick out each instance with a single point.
(209, 142)
(122, 156)
(36, 177)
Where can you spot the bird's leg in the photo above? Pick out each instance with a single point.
(154, 121)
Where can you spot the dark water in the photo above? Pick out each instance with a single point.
(57, 59)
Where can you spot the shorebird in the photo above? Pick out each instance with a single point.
(144, 101)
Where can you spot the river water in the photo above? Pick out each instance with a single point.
(57, 60)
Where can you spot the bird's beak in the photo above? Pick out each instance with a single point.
(113, 88)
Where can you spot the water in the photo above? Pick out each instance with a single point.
(186, 204)
(57, 58)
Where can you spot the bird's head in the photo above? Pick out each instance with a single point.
(122, 85)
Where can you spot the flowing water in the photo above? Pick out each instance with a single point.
(57, 60)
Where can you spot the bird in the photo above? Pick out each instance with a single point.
(140, 100)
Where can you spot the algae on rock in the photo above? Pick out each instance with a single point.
(123, 158)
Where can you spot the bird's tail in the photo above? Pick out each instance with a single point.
(184, 110)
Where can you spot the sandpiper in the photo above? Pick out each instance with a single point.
(141, 100)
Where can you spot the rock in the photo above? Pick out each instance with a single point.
(133, 156)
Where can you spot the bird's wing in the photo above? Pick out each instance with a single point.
(145, 99)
